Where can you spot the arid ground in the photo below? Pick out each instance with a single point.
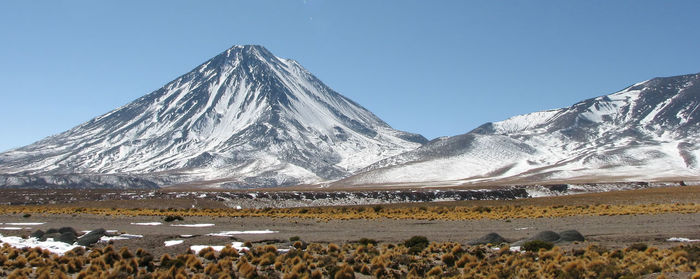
(667, 218)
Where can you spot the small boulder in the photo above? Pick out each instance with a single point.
(52, 230)
(490, 238)
(92, 237)
(571, 235)
(67, 229)
(67, 237)
(548, 236)
(37, 234)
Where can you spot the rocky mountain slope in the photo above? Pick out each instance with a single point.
(245, 118)
(648, 131)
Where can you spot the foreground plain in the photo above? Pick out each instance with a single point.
(613, 224)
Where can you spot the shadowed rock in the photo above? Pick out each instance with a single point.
(37, 234)
(67, 229)
(67, 237)
(571, 235)
(490, 238)
(92, 237)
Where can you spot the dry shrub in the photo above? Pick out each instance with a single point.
(333, 248)
(19, 273)
(228, 251)
(448, 259)
(344, 272)
(270, 249)
(435, 271)
(364, 269)
(212, 269)
(246, 269)
(316, 274)
(18, 263)
(268, 258)
(125, 253)
(205, 251)
(194, 264)
(574, 269)
(210, 255)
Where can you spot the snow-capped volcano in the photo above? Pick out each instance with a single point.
(245, 118)
(648, 131)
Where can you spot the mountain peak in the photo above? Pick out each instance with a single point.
(246, 52)
(244, 118)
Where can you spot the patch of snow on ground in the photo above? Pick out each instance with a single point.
(10, 228)
(120, 237)
(53, 246)
(148, 224)
(232, 233)
(24, 224)
(193, 225)
(173, 242)
(682, 239)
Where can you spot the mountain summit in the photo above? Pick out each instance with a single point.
(245, 118)
(648, 131)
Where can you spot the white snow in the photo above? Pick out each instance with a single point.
(173, 242)
(51, 245)
(232, 233)
(682, 239)
(24, 224)
(120, 237)
(10, 228)
(193, 225)
(526, 121)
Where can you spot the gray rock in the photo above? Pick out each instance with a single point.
(67, 237)
(67, 229)
(490, 238)
(571, 235)
(37, 234)
(92, 237)
(548, 236)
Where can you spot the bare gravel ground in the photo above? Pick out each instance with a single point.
(609, 231)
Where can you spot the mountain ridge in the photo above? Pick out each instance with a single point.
(645, 131)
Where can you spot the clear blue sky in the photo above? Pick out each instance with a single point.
(431, 67)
